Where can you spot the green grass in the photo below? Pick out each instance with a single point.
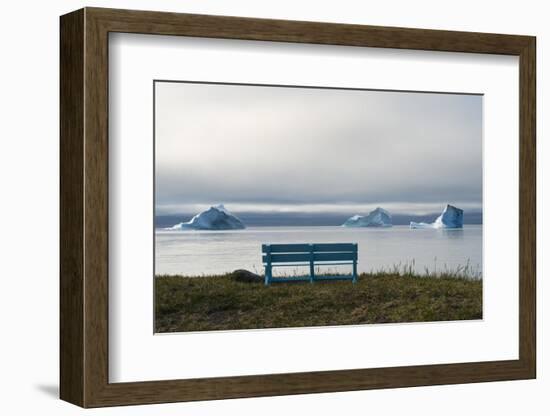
(211, 303)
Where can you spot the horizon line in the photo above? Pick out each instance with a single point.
(395, 208)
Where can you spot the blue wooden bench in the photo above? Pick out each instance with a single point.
(332, 254)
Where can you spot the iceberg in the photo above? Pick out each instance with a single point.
(451, 217)
(214, 218)
(377, 218)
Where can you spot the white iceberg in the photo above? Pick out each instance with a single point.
(377, 218)
(214, 218)
(451, 217)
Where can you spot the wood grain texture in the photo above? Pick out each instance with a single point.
(527, 208)
(162, 23)
(96, 208)
(84, 207)
(71, 213)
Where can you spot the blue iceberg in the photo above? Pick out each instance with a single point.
(214, 218)
(377, 218)
(451, 217)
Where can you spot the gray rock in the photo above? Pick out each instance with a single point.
(245, 276)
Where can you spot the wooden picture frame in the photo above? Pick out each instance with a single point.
(84, 207)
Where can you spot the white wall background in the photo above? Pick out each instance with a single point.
(29, 224)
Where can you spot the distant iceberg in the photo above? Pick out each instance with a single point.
(377, 218)
(451, 217)
(214, 218)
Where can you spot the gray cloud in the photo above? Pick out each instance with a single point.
(302, 146)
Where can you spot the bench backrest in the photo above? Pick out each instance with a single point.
(293, 253)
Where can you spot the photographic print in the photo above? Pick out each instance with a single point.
(293, 206)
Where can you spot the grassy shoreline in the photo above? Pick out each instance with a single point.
(210, 303)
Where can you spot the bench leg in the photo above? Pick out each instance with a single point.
(311, 264)
(267, 280)
(354, 280)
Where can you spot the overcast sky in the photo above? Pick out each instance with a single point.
(257, 148)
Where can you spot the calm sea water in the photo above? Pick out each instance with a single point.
(195, 253)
